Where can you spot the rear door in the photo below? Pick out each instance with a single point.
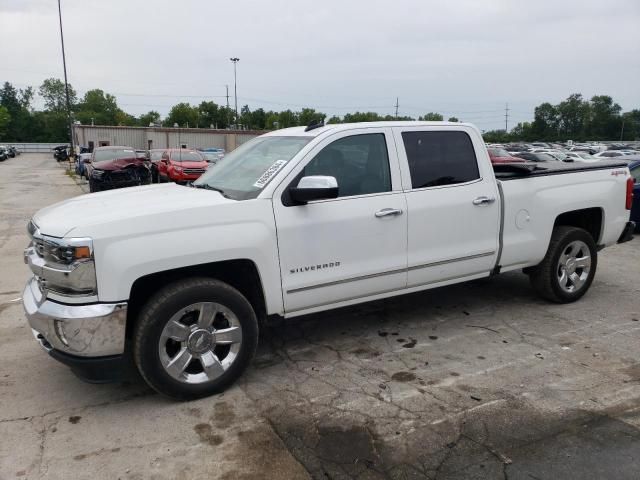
(452, 201)
(353, 246)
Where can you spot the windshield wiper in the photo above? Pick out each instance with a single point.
(206, 186)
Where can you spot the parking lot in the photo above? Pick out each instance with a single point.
(479, 380)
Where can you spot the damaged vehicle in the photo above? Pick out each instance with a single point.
(116, 167)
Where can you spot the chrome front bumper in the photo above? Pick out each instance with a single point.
(95, 330)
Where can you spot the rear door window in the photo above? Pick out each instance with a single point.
(440, 158)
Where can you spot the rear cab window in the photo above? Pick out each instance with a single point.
(440, 158)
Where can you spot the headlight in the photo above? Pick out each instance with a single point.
(97, 173)
(178, 169)
(65, 266)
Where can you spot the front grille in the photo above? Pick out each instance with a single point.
(194, 171)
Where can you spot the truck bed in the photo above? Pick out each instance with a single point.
(512, 171)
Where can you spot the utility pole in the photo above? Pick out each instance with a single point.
(235, 61)
(506, 118)
(622, 129)
(397, 105)
(228, 122)
(66, 84)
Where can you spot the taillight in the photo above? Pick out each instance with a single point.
(629, 201)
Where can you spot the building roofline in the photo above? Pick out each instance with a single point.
(174, 129)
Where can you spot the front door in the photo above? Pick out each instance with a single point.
(340, 250)
(453, 204)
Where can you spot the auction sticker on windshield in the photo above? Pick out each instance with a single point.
(269, 172)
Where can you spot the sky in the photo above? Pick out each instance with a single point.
(462, 58)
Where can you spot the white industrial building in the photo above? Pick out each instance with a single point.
(148, 138)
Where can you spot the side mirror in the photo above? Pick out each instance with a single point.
(568, 159)
(315, 187)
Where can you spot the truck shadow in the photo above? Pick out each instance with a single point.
(447, 383)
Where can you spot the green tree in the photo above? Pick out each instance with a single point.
(210, 113)
(258, 119)
(17, 103)
(99, 107)
(546, 122)
(184, 115)
(308, 116)
(5, 119)
(362, 117)
(630, 129)
(496, 136)
(287, 119)
(271, 120)
(245, 117)
(522, 131)
(55, 99)
(432, 117)
(334, 119)
(573, 115)
(606, 122)
(146, 119)
(453, 119)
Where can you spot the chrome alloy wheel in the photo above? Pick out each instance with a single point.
(200, 342)
(574, 265)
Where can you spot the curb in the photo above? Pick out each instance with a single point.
(68, 167)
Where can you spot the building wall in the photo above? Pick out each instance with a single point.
(156, 137)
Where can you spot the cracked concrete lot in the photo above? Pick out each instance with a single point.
(479, 380)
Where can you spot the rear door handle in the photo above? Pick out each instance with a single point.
(484, 201)
(388, 211)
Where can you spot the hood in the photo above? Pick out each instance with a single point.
(111, 206)
(198, 164)
(118, 164)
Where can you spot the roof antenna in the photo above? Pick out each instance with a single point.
(314, 124)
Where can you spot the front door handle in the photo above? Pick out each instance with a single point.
(388, 211)
(484, 201)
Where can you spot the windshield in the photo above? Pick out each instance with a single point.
(545, 157)
(498, 152)
(114, 154)
(156, 154)
(186, 156)
(248, 169)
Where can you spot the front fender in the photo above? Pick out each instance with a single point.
(159, 243)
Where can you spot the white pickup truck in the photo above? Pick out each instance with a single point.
(175, 279)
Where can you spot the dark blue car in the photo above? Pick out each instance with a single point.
(634, 166)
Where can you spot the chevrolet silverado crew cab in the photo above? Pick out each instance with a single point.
(297, 221)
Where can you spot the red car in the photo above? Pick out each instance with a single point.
(180, 165)
(500, 155)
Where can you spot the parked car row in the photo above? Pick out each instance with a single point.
(545, 152)
(8, 152)
(119, 166)
(178, 165)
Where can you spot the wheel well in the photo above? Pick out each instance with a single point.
(242, 274)
(589, 219)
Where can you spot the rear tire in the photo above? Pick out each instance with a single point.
(567, 270)
(194, 338)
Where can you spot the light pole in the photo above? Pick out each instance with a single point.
(66, 84)
(235, 61)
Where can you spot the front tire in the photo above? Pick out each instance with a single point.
(567, 270)
(194, 338)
